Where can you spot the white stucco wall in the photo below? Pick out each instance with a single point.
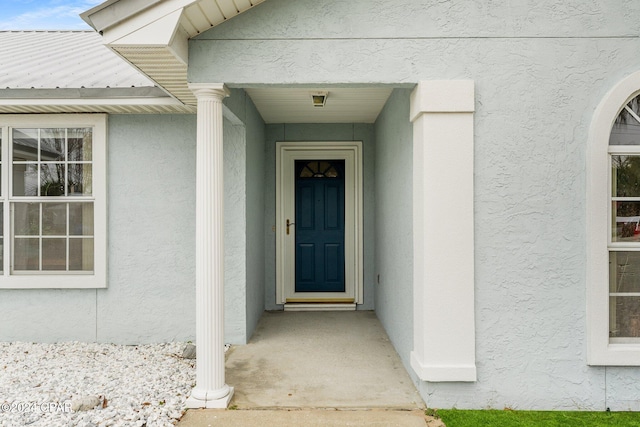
(151, 228)
(539, 68)
(151, 245)
(235, 233)
(308, 133)
(394, 237)
(150, 295)
(249, 124)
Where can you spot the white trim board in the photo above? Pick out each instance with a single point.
(286, 154)
(443, 262)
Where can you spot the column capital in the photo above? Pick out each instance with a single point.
(209, 90)
(442, 96)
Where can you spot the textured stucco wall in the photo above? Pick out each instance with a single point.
(235, 233)
(394, 237)
(319, 132)
(151, 230)
(48, 315)
(151, 225)
(540, 68)
(245, 115)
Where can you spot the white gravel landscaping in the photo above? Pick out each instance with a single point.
(141, 385)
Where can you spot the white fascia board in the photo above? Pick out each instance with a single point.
(165, 32)
(179, 44)
(140, 20)
(102, 101)
(111, 13)
(156, 33)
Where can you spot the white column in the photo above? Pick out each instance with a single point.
(210, 390)
(443, 273)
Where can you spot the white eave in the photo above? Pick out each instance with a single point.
(71, 71)
(153, 35)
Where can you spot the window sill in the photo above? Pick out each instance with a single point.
(54, 281)
(615, 355)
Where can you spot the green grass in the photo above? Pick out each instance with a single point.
(508, 418)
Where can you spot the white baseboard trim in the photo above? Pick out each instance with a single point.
(443, 373)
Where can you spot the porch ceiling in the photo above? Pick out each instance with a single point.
(343, 105)
(153, 35)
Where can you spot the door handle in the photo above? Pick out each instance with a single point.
(289, 224)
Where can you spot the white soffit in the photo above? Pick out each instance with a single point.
(73, 72)
(343, 105)
(153, 35)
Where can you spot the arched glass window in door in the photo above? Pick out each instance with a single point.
(624, 243)
(319, 168)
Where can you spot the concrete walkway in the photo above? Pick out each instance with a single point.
(307, 418)
(317, 368)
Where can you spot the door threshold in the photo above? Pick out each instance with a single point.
(311, 306)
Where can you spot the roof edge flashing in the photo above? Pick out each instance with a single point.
(148, 92)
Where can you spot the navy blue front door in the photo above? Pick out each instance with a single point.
(319, 226)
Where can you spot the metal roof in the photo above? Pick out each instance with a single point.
(63, 59)
(72, 71)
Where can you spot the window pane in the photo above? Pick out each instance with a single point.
(624, 273)
(625, 176)
(319, 168)
(80, 180)
(26, 219)
(54, 254)
(1, 239)
(25, 179)
(624, 316)
(26, 254)
(80, 144)
(626, 128)
(0, 178)
(81, 219)
(625, 218)
(81, 254)
(52, 144)
(25, 144)
(52, 178)
(54, 219)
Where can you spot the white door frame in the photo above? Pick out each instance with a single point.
(286, 154)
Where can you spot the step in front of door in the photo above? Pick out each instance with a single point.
(319, 306)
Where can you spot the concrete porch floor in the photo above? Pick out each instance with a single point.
(301, 361)
(319, 360)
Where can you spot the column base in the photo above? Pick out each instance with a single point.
(221, 403)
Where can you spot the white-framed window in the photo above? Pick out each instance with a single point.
(53, 201)
(613, 228)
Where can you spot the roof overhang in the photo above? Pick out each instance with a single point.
(153, 35)
(141, 100)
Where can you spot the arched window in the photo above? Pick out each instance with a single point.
(624, 247)
(613, 228)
